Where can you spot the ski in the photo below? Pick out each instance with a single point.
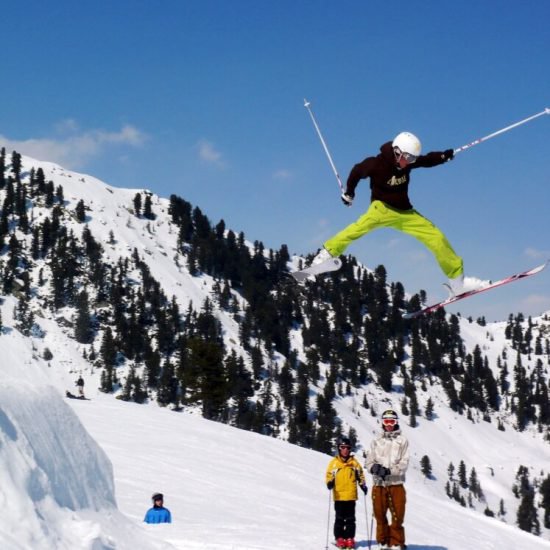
(332, 264)
(452, 299)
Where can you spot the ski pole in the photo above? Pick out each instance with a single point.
(306, 105)
(371, 528)
(367, 519)
(328, 520)
(481, 140)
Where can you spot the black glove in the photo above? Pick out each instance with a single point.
(364, 488)
(330, 485)
(448, 154)
(380, 471)
(347, 198)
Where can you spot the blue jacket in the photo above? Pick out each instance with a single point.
(158, 515)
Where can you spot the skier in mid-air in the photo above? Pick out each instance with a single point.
(389, 174)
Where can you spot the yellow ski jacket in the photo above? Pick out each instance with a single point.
(346, 474)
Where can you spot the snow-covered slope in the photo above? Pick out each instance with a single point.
(229, 489)
(226, 488)
(56, 483)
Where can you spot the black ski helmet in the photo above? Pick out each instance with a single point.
(157, 496)
(344, 441)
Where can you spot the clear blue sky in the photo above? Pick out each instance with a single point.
(205, 100)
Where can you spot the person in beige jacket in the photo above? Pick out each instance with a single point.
(387, 460)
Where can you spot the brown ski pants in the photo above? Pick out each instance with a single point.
(390, 499)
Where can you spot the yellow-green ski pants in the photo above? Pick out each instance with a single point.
(411, 222)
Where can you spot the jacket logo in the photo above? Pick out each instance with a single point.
(397, 181)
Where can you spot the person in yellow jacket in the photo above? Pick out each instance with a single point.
(343, 474)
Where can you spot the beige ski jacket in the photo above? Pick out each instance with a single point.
(391, 450)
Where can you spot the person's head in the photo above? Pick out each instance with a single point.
(344, 447)
(158, 499)
(390, 421)
(406, 148)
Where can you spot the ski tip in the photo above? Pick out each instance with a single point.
(412, 314)
(540, 267)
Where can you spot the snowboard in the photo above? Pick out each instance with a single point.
(332, 264)
(452, 299)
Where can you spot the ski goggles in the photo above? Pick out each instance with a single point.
(409, 157)
(344, 447)
(389, 421)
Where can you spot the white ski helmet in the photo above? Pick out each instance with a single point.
(389, 413)
(390, 420)
(408, 143)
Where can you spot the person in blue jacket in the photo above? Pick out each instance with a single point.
(158, 513)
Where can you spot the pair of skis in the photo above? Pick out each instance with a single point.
(333, 264)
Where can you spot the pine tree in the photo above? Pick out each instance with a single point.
(474, 485)
(24, 316)
(240, 389)
(451, 471)
(59, 194)
(139, 394)
(133, 388)
(527, 519)
(286, 384)
(168, 385)
(16, 166)
(108, 355)
(426, 466)
(302, 410)
(429, 412)
(326, 416)
(148, 208)
(2, 167)
(137, 204)
(544, 490)
(80, 211)
(83, 332)
(49, 194)
(202, 374)
(462, 475)
(151, 360)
